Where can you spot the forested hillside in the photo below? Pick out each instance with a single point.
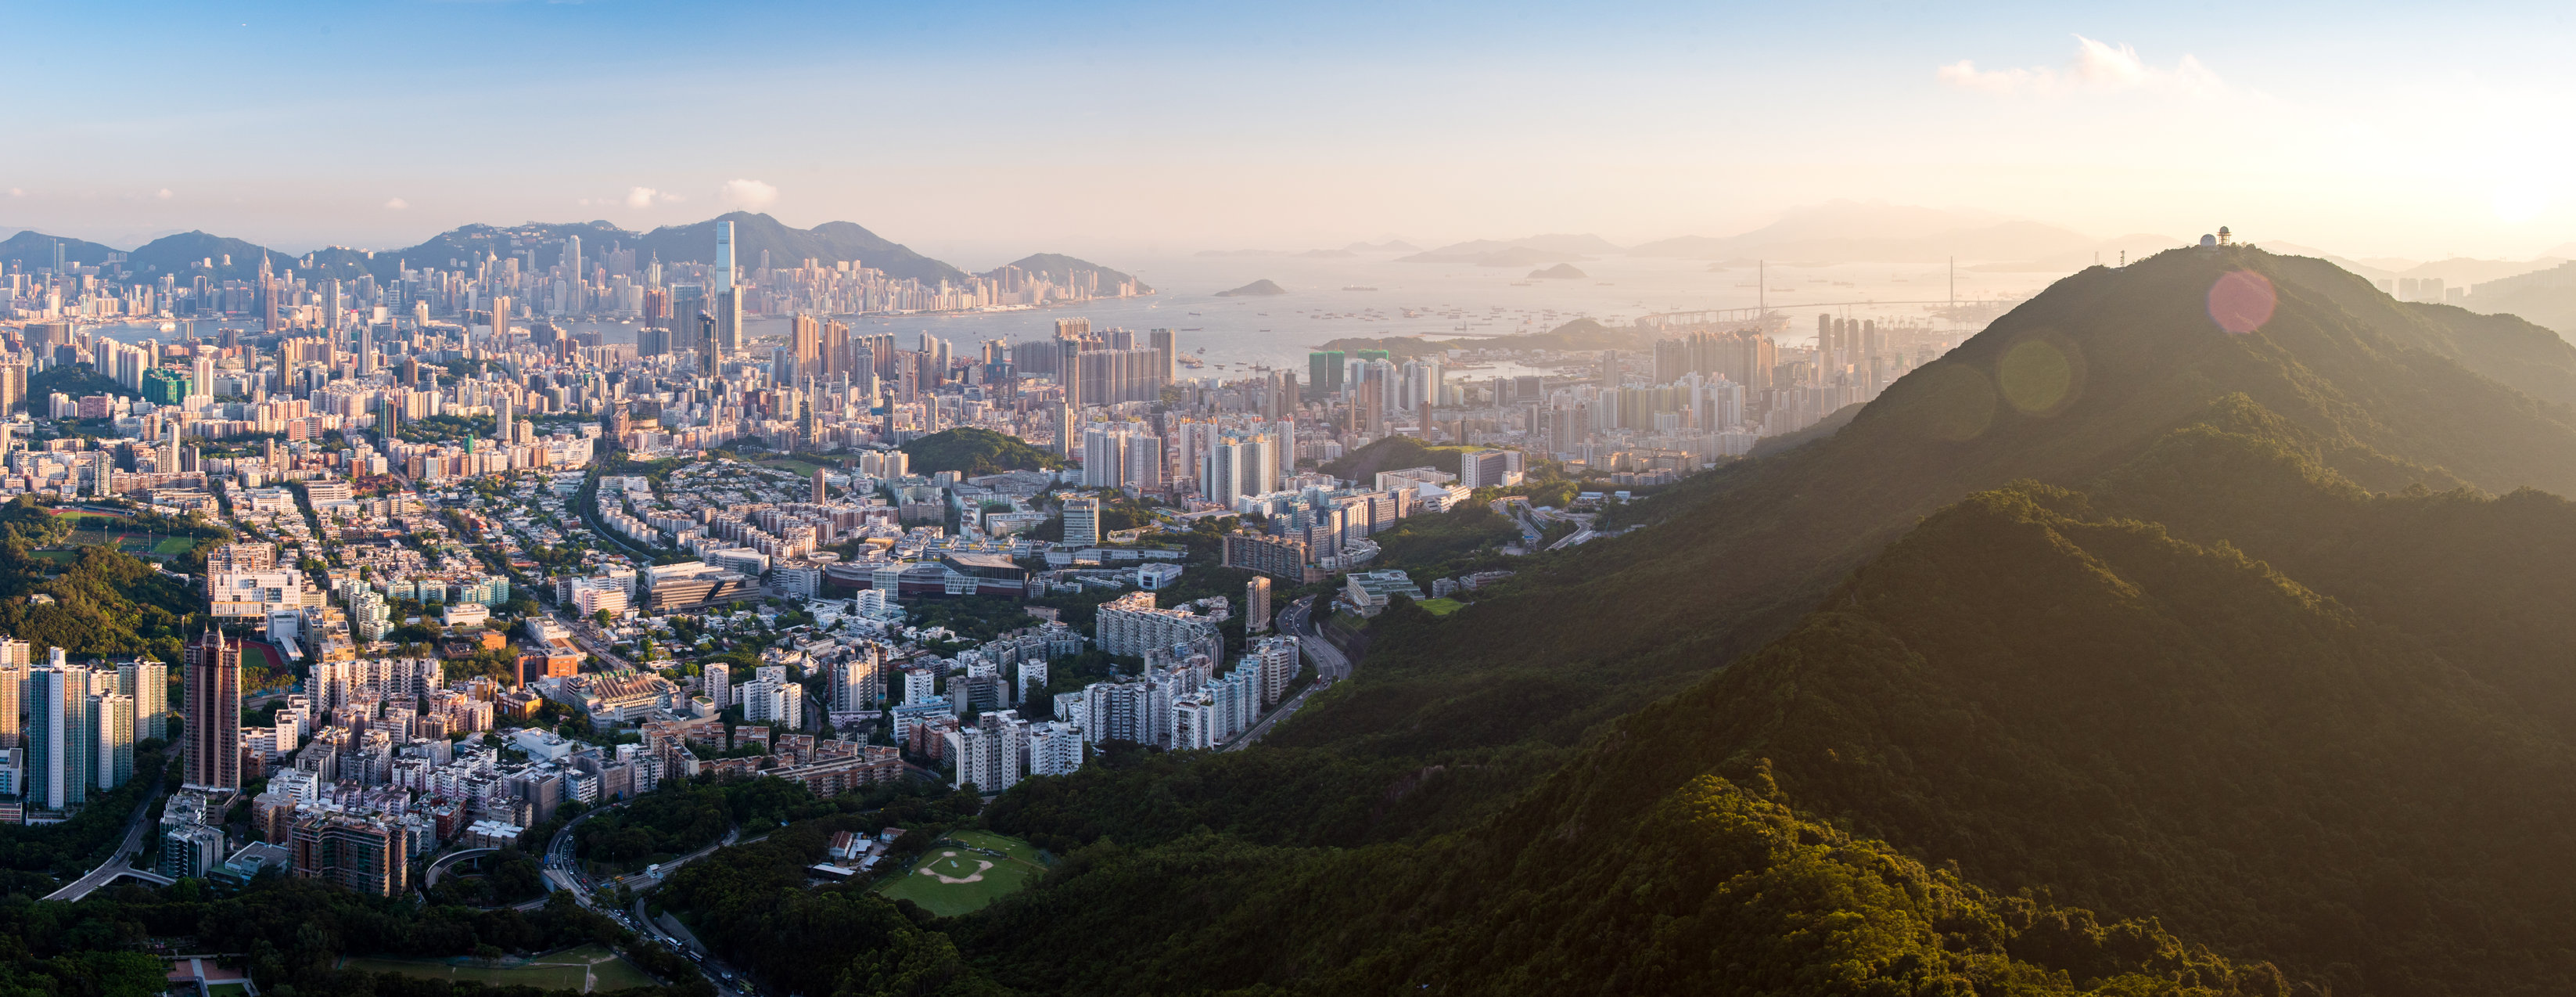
(2226, 634)
(2076, 382)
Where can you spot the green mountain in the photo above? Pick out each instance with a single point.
(830, 242)
(33, 250)
(754, 234)
(1717, 887)
(2227, 635)
(458, 248)
(187, 255)
(2070, 385)
(975, 452)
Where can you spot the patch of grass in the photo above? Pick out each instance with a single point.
(964, 855)
(1013, 847)
(1441, 607)
(588, 968)
(175, 546)
(802, 468)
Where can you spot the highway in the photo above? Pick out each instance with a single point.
(1582, 528)
(1516, 509)
(563, 872)
(121, 862)
(1330, 666)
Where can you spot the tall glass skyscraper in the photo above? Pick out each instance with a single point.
(62, 738)
(213, 723)
(722, 278)
(115, 713)
(148, 682)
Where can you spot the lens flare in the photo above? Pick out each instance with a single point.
(2038, 376)
(2242, 301)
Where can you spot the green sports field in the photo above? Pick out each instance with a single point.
(589, 968)
(965, 871)
(1441, 607)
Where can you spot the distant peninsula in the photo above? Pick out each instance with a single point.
(1256, 289)
(1561, 271)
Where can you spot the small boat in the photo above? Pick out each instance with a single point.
(1356, 287)
(1195, 329)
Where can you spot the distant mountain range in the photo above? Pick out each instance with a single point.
(754, 235)
(1529, 251)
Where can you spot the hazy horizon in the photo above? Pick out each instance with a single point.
(1001, 129)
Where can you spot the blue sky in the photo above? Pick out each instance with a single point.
(981, 129)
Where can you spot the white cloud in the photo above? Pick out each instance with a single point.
(749, 195)
(397, 204)
(164, 194)
(17, 192)
(2099, 67)
(640, 197)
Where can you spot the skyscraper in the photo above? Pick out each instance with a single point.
(820, 489)
(14, 663)
(728, 328)
(214, 712)
(500, 321)
(722, 275)
(1256, 604)
(148, 682)
(1165, 342)
(835, 349)
(62, 738)
(809, 346)
(115, 713)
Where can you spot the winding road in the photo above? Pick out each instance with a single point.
(121, 862)
(1331, 666)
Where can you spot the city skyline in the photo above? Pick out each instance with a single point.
(1300, 129)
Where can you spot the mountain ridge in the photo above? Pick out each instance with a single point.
(829, 242)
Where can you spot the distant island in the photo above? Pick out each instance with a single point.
(1256, 289)
(1561, 271)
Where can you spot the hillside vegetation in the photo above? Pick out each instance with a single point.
(2241, 642)
(976, 451)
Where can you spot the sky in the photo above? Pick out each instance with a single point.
(982, 131)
